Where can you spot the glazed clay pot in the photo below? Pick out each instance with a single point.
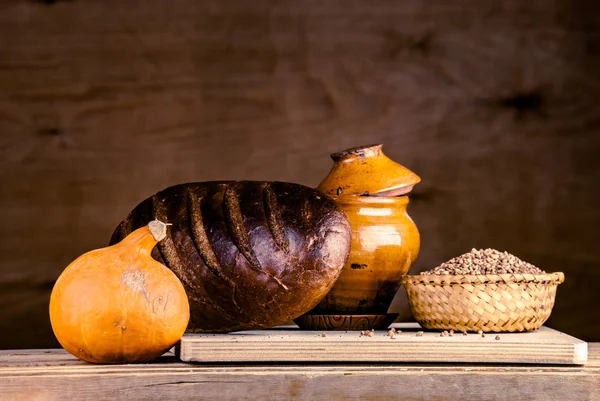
(385, 241)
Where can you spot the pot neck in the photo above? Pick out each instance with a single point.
(373, 201)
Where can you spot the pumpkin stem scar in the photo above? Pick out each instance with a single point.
(135, 280)
(158, 229)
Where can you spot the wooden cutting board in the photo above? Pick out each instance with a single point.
(290, 344)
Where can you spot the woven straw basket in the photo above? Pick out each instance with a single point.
(491, 303)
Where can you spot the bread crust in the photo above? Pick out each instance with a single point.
(250, 254)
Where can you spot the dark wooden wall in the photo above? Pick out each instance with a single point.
(493, 103)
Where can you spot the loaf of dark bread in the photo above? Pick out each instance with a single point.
(250, 254)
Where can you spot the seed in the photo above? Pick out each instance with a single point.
(486, 261)
(479, 331)
(464, 333)
(323, 335)
(483, 335)
(497, 337)
(419, 334)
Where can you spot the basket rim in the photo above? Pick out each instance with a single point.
(444, 279)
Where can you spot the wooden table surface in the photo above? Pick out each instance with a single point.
(54, 374)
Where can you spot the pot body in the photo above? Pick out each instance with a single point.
(385, 243)
(371, 189)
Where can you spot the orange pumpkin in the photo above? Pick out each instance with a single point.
(117, 304)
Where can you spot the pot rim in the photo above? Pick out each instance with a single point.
(365, 150)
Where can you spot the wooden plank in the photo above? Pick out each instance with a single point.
(544, 346)
(494, 104)
(55, 375)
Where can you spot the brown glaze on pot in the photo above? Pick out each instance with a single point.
(250, 254)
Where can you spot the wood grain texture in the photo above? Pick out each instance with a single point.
(55, 375)
(494, 105)
(290, 345)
